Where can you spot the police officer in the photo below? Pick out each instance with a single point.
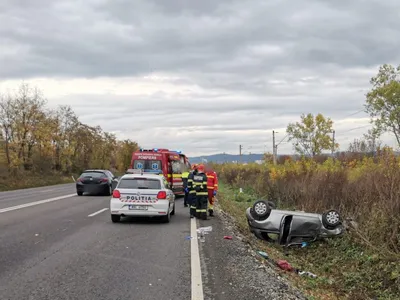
(191, 191)
(200, 184)
(185, 176)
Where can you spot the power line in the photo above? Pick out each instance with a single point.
(354, 128)
(352, 114)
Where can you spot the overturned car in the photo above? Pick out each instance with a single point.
(291, 227)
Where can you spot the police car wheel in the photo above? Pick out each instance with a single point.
(166, 218)
(115, 218)
(173, 211)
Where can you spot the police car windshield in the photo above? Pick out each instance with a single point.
(138, 183)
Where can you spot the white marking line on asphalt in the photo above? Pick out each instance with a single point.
(3, 210)
(97, 212)
(197, 281)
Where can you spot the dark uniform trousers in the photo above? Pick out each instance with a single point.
(191, 200)
(200, 185)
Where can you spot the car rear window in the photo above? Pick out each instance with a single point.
(139, 183)
(93, 174)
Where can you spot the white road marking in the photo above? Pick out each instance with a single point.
(3, 210)
(97, 212)
(197, 281)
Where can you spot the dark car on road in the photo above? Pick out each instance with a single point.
(96, 182)
(291, 227)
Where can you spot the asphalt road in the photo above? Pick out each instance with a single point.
(54, 250)
(57, 245)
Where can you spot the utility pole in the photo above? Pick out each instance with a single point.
(333, 142)
(240, 152)
(273, 147)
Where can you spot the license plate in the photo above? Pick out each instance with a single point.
(137, 207)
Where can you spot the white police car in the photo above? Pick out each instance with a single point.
(141, 194)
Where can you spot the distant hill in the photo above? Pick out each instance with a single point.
(221, 158)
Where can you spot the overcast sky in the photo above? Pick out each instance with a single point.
(202, 76)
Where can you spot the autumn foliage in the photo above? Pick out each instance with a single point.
(38, 140)
(365, 189)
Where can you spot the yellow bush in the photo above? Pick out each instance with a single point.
(366, 189)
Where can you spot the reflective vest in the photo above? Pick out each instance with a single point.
(200, 184)
(212, 181)
(185, 176)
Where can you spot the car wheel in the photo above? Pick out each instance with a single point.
(331, 218)
(173, 211)
(167, 218)
(109, 191)
(79, 193)
(115, 218)
(261, 210)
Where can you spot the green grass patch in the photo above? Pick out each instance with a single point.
(28, 180)
(345, 268)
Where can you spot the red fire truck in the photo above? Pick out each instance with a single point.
(163, 161)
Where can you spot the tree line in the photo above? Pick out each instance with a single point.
(38, 139)
(314, 134)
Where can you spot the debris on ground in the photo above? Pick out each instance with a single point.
(284, 265)
(204, 230)
(227, 237)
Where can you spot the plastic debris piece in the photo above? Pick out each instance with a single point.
(309, 274)
(304, 244)
(188, 237)
(204, 230)
(263, 254)
(284, 265)
(240, 190)
(227, 237)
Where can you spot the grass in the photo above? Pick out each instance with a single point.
(29, 180)
(345, 268)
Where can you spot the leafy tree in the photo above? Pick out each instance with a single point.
(32, 137)
(311, 135)
(383, 101)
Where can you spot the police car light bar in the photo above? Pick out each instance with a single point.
(134, 171)
(140, 171)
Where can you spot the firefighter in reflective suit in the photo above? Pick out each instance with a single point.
(212, 188)
(200, 185)
(191, 200)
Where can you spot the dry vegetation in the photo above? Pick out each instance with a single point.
(365, 262)
(40, 146)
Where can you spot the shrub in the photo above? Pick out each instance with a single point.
(365, 189)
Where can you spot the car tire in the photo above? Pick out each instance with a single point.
(173, 211)
(79, 193)
(167, 218)
(109, 191)
(115, 218)
(331, 219)
(261, 210)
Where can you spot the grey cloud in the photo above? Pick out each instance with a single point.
(135, 37)
(260, 63)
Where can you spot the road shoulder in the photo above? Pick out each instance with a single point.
(230, 269)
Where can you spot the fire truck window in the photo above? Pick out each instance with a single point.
(147, 164)
(176, 167)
